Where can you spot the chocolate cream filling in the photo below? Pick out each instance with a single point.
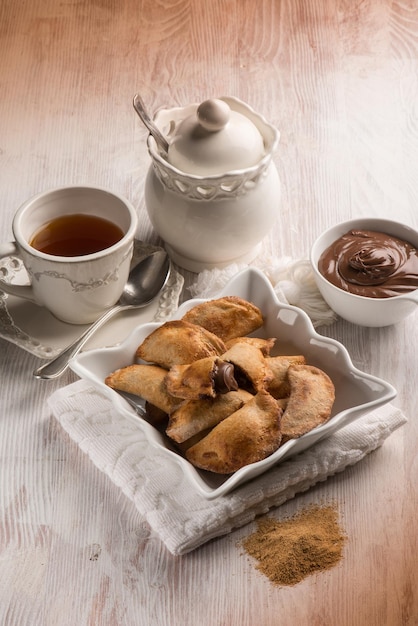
(371, 264)
(224, 378)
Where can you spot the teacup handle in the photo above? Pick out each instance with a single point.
(22, 291)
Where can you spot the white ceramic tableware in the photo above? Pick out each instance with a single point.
(361, 310)
(76, 289)
(145, 281)
(356, 392)
(217, 194)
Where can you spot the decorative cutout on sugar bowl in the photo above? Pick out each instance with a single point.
(216, 194)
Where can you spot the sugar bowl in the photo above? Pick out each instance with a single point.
(215, 194)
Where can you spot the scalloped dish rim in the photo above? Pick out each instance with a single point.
(324, 352)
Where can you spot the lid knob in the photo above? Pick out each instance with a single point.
(213, 114)
(213, 138)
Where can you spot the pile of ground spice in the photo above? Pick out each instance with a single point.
(290, 550)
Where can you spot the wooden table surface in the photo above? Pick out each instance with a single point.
(340, 81)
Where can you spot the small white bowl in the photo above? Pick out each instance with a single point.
(356, 392)
(361, 310)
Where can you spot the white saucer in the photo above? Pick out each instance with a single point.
(37, 331)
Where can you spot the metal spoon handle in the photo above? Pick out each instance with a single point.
(58, 365)
(155, 132)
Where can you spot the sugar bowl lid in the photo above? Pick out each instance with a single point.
(215, 139)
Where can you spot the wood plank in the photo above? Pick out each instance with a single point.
(340, 82)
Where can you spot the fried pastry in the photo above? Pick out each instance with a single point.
(226, 317)
(146, 381)
(195, 416)
(251, 370)
(177, 343)
(202, 378)
(250, 434)
(312, 395)
(183, 446)
(265, 345)
(279, 386)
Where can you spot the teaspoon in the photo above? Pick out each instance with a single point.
(139, 107)
(145, 281)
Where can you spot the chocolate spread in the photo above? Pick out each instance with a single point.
(372, 264)
(224, 379)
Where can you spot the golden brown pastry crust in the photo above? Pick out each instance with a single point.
(177, 343)
(265, 345)
(203, 378)
(146, 381)
(194, 380)
(183, 446)
(227, 317)
(250, 434)
(250, 362)
(312, 396)
(279, 386)
(195, 416)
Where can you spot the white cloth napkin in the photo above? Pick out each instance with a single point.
(181, 517)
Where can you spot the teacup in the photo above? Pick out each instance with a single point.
(359, 309)
(79, 284)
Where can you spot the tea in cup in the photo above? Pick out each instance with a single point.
(76, 244)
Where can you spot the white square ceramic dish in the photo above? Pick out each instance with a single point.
(356, 392)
